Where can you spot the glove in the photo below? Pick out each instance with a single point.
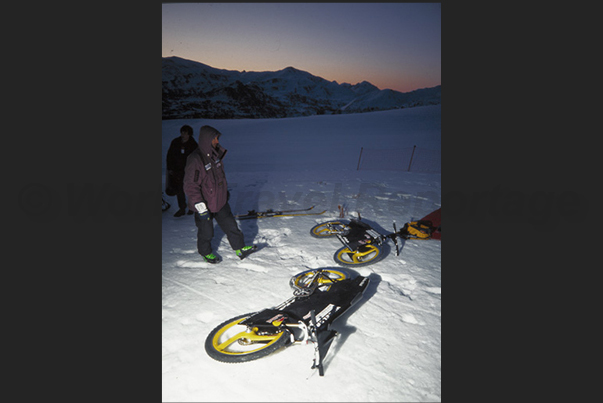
(202, 210)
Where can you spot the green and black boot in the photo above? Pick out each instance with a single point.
(211, 258)
(246, 251)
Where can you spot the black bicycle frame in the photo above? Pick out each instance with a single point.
(310, 317)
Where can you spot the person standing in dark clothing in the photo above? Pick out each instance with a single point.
(207, 192)
(180, 148)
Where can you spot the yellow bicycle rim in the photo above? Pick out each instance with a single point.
(324, 230)
(300, 280)
(251, 338)
(358, 257)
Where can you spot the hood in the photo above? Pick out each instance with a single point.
(206, 135)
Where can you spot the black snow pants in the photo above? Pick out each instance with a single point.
(228, 224)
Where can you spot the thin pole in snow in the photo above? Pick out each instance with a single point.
(413, 153)
(358, 167)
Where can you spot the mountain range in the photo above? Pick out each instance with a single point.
(194, 90)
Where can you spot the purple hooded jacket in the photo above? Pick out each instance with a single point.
(204, 177)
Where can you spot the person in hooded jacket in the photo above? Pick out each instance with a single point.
(207, 193)
(180, 148)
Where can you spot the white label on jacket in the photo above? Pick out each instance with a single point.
(208, 167)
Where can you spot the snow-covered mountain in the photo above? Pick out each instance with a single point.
(195, 90)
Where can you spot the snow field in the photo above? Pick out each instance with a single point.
(389, 344)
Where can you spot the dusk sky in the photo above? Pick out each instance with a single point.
(390, 45)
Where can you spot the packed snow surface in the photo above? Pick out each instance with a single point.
(389, 344)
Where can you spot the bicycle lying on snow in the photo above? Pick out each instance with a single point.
(319, 297)
(362, 244)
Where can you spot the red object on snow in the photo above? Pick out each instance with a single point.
(435, 218)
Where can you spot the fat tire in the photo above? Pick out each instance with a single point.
(314, 231)
(282, 341)
(380, 255)
(339, 276)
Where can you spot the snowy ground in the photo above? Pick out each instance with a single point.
(389, 346)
